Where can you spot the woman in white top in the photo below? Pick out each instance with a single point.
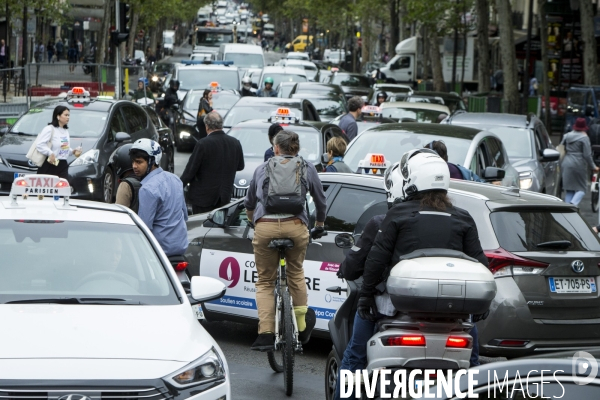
(57, 134)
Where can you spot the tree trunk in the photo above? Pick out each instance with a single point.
(483, 45)
(436, 60)
(394, 23)
(133, 29)
(544, 55)
(102, 42)
(590, 60)
(24, 30)
(153, 41)
(508, 56)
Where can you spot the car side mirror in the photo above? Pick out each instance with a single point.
(205, 289)
(344, 240)
(493, 174)
(4, 130)
(550, 155)
(121, 137)
(217, 217)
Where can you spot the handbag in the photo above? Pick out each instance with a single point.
(34, 155)
(562, 150)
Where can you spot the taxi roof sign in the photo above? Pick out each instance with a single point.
(214, 87)
(283, 114)
(78, 95)
(371, 110)
(374, 163)
(40, 186)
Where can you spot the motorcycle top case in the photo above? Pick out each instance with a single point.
(441, 285)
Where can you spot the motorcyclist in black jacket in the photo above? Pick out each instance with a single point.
(421, 217)
(170, 98)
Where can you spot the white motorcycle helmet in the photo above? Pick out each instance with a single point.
(150, 147)
(247, 82)
(419, 170)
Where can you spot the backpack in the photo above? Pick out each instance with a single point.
(135, 186)
(282, 189)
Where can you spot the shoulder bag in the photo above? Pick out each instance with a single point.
(34, 155)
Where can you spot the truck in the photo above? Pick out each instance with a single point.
(407, 65)
(168, 42)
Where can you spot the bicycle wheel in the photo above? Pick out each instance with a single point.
(273, 356)
(595, 201)
(287, 328)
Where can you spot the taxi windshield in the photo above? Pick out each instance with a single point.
(255, 142)
(82, 124)
(213, 39)
(419, 115)
(62, 259)
(198, 79)
(262, 112)
(245, 60)
(278, 78)
(394, 144)
(220, 101)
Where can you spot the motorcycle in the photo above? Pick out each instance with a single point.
(133, 65)
(432, 305)
(89, 59)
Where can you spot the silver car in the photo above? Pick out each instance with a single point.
(528, 145)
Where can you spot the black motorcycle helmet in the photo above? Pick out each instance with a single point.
(381, 94)
(174, 84)
(121, 160)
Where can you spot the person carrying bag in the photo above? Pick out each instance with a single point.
(52, 147)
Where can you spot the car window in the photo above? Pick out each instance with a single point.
(130, 270)
(540, 136)
(117, 124)
(136, 119)
(483, 158)
(278, 78)
(154, 117)
(524, 230)
(350, 80)
(516, 140)
(83, 123)
(347, 207)
(496, 156)
(419, 115)
(201, 79)
(403, 62)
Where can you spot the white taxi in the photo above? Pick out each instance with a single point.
(92, 307)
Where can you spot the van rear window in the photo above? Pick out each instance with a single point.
(527, 230)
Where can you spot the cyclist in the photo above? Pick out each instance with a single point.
(162, 205)
(268, 90)
(273, 226)
(129, 184)
(143, 90)
(421, 207)
(247, 89)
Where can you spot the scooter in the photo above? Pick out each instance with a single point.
(88, 59)
(433, 293)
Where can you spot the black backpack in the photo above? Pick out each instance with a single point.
(135, 186)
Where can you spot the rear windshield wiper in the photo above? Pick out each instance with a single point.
(555, 244)
(77, 300)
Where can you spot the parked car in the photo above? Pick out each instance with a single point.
(527, 143)
(532, 241)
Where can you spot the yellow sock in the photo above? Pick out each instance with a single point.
(300, 314)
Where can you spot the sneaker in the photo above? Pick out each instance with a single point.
(264, 342)
(311, 320)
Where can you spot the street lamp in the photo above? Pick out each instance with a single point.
(235, 28)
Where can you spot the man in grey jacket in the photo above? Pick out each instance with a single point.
(275, 226)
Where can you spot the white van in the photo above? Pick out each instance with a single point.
(268, 31)
(249, 58)
(168, 42)
(202, 16)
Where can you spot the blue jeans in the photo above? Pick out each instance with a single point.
(574, 197)
(355, 355)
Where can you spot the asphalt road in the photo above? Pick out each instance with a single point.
(252, 377)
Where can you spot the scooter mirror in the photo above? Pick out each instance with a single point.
(344, 240)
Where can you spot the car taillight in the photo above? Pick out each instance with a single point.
(458, 342)
(405, 340)
(513, 343)
(181, 266)
(504, 263)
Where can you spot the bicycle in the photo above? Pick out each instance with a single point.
(286, 327)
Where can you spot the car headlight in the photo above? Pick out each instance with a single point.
(208, 368)
(525, 180)
(154, 78)
(89, 157)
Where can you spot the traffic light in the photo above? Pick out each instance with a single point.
(123, 92)
(122, 34)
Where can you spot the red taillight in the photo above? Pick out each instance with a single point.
(513, 343)
(458, 342)
(77, 105)
(21, 183)
(181, 266)
(501, 258)
(407, 340)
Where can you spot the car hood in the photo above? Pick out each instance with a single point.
(15, 147)
(243, 177)
(116, 332)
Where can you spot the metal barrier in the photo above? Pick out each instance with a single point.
(14, 101)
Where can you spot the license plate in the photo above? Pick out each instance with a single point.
(19, 175)
(197, 308)
(572, 285)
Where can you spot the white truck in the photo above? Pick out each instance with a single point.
(407, 65)
(168, 42)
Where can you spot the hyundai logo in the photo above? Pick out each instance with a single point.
(74, 397)
(577, 266)
(243, 182)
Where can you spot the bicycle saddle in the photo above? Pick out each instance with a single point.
(281, 244)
